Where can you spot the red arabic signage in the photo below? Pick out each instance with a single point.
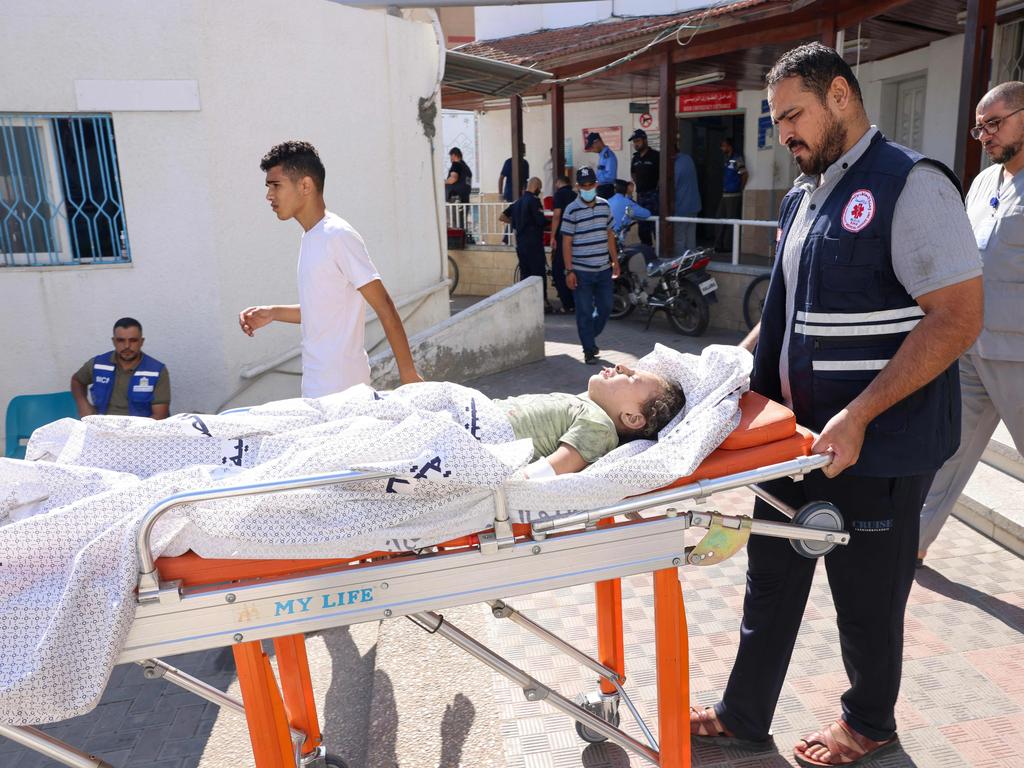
(707, 101)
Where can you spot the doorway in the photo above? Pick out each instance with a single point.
(700, 137)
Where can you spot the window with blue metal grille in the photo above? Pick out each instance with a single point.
(60, 191)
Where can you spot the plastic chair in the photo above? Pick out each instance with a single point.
(26, 413)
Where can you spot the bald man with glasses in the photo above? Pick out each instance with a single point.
(991, 371)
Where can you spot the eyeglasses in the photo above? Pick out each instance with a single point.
(991, 126)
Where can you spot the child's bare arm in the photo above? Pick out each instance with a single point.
(566, 459)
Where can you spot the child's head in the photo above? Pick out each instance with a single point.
(639, 403)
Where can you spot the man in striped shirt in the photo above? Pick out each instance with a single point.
(591, 260)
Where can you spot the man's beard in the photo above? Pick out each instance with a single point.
(1005, 153)
(831, 149)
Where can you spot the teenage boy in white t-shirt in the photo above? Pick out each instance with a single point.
(334, 269)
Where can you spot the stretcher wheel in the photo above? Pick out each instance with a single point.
(596, 708)
(817, 514)
(333, 761)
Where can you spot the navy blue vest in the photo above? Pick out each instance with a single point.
(851, 315)
(140, 389)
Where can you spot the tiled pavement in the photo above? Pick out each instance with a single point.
(962, 701)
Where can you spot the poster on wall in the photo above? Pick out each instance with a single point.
(611, 135)
(718, 100)
(459, 130)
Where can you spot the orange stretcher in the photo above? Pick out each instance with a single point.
(189, 603)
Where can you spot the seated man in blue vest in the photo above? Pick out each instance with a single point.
(625, 210)
(124, 382)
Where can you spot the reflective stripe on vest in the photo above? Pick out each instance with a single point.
(141, 388)
(851, 316)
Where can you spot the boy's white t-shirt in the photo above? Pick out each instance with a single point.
(333, 266)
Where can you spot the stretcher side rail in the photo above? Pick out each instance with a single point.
(149, 579)
(698, 491)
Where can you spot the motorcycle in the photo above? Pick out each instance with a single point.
(679, 285)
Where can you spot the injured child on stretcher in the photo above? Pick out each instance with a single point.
(571, 431)
(70, 515)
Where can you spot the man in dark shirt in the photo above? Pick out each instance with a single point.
(563, 196)
(457, 186)
(527, 218)
(505, 179)
(460, 179)
(645, 170)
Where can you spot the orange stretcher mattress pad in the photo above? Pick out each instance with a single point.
(767, 434)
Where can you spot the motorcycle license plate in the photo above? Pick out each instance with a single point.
(707, 286)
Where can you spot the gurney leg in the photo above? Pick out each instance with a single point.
(293, 669)
(610, 651)
(264, 708)
(45, 744)
(672, 652)
(533, 689)
(608, 604)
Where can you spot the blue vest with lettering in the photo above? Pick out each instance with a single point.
(140, 389)
(850, 316)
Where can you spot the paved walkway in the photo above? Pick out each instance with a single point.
(962, 701)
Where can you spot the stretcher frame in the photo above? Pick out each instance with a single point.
(190, 604)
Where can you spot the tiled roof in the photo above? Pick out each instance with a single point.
(534, 48)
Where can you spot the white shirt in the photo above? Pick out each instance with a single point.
(333, 266)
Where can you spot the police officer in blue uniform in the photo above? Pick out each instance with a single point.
(125, 381)
(607, 164)
(874, 296)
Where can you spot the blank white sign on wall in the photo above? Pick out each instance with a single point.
(137, 95)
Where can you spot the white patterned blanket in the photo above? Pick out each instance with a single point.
(70, 517)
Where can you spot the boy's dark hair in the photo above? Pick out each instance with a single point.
(128, 322)
(564, 178)
(297, 159)
(817, 65)
(621, 186)
(455, 151)
(658, 411)
(728, 140)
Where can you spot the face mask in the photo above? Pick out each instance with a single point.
(588, 195)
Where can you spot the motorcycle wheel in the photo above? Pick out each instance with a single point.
(621, 305)
(689, 313)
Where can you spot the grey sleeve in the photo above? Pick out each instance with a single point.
(933, 245)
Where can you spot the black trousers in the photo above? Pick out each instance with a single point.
(532, 262)
(650, 201)
(558, 275)
(870, 580)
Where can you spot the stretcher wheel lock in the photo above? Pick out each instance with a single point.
(605, 707)
(817, 514)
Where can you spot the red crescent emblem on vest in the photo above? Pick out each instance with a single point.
(859, 210)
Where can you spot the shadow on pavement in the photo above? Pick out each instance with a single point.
(1011, 615)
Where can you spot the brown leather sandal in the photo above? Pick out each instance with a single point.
(845, 746)
(705, 725)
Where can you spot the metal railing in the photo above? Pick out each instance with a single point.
(483, 226)
(735, 224)
(60, 191)
(481, 222)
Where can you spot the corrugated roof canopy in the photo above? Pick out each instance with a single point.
(476, 74)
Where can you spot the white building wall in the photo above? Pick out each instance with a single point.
(204, 241)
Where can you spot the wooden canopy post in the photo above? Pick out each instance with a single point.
(974, 78)
(666, 160)
(518, 182)
(557, 133)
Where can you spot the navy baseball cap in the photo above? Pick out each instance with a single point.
(639, 133)
(591, 138)
(586, 175)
